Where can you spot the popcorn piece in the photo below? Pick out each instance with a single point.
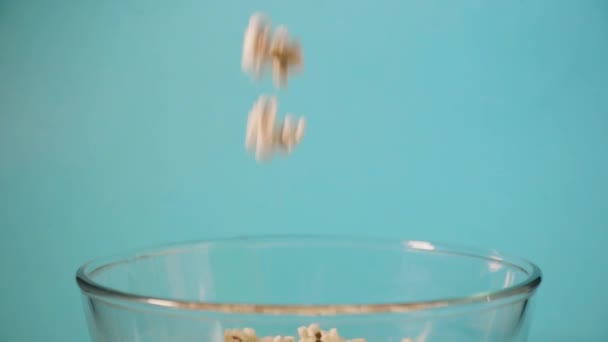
(246, 335)
(284, 339)
(261, 128)
(291, 134)
(260, 48)
(278, 339)
(313, 333)
(264, 136)
(286, 56)
(256, 45)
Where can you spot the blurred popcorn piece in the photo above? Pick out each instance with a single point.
(286, 56)
(291, 133)
(256, 45)
(263, 134)
(261, 131)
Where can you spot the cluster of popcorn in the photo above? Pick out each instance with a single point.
(260, 48)
(312, 333)
(264, 135)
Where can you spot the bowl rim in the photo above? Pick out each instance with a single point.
(519, 291)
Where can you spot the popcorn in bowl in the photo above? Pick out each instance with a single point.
(311, 333)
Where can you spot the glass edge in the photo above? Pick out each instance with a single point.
(525, 288)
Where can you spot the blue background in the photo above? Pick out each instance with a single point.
(482, 123)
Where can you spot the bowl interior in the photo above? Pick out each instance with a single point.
(310, 271)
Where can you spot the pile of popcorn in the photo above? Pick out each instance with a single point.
(312, 333)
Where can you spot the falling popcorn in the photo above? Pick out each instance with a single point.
(261, 128)
(291, 133)
(261, 47)
(264, 135)
(286, 56)
(256, 45)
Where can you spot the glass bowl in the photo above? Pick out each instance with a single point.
(373, 289)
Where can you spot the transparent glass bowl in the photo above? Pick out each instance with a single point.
(376, 289)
